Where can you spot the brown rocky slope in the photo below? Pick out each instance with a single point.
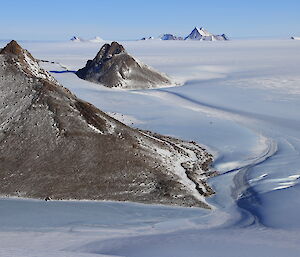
(53, 144)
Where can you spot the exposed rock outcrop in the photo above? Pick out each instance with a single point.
(114, 67)
(56, 146)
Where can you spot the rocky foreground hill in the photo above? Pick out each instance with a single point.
(54, 145)
(114, 67)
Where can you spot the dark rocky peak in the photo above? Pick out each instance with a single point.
(22, 59)
(13, 48)
(114, 67)
(109, 50)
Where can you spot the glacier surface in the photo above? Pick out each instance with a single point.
(241, 100)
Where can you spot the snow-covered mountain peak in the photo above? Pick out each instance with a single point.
(96, 39)
(198, 33)
(202, 31)
(203, 35)
(76, 39)
(170, 37)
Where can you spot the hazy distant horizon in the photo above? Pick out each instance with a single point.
(132, 19)
(68, 39)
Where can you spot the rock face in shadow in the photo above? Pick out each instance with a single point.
(114, 67)
(56, 146)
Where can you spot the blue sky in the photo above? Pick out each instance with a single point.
(133, 19)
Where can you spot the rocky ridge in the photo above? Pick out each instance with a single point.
(203, 35)
(114, 67)
(56, 146)
(198, 34)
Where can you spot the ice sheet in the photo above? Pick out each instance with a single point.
(241, 100)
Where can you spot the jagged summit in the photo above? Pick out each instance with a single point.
(54, 145)
(114, 67)
(203, 35)
(170, 37)
(197, 33)
(109, 50)
(76, 39)
(24, 60)
(12, 48)
(201, 31)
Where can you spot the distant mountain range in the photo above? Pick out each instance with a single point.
(199, 34)
(170, 37)
(93, 40)
(147, 38)
(203, 35)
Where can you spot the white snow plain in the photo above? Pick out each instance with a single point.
(241, 100)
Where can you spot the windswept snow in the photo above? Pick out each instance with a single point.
(126, 119)
(35, 69)
(95, 129)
